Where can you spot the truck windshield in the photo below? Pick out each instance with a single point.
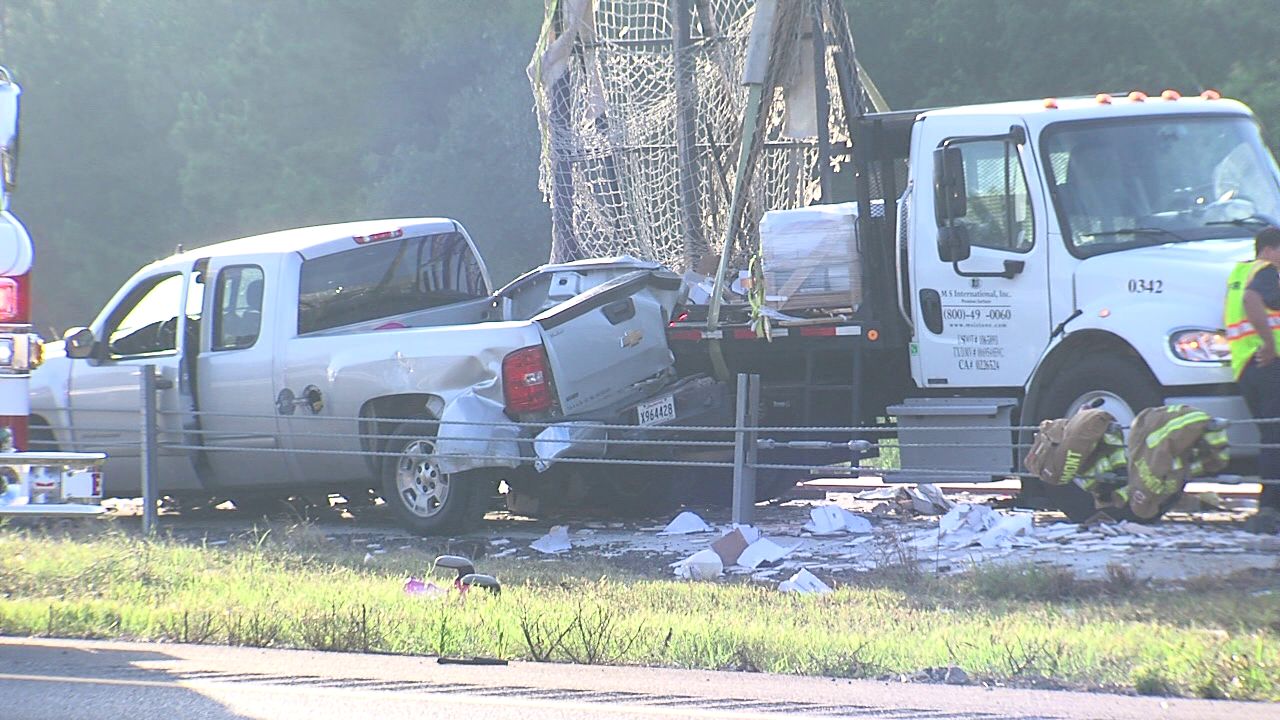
(1129, 182)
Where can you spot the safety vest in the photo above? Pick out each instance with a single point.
(1242, 338)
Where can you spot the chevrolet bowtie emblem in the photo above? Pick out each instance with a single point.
(632, 338)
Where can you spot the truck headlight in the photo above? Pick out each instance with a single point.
(6, 352)
(1200, 346)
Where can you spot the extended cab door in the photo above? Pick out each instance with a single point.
(420, 276)
(146, 325)
(979, 259)
(602, 344)
(236, 370)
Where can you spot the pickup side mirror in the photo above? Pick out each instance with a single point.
(953, 243)
(79, 342)
(948, 186)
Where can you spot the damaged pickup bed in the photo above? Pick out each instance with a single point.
(369, 356)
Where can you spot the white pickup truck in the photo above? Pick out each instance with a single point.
(334, 359)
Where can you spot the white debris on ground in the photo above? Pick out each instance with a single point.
(856, 532)
(835, 520)
(554, 542)
(686, 523)
(804, 582)
(702, 565)
(850, 534)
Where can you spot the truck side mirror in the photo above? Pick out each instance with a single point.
(79, 342)
(948, 185)
(953, 243)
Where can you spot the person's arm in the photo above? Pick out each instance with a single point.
(1255, 308)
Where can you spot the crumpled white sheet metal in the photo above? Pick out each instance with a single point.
(475, 433)
(570, 439)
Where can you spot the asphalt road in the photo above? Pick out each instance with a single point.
(75, 680)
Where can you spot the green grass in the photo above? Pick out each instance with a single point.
(288, 588)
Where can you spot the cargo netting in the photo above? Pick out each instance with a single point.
(641, 105)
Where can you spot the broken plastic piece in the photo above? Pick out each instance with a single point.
(487, 582)
(456, 562)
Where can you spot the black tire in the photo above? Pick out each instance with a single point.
(423, 499)
(1114, 379)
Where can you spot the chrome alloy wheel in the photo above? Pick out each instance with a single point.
(423, 489)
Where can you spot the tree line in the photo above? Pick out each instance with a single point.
(153, 123)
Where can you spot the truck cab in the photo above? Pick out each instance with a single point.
(1076, 251)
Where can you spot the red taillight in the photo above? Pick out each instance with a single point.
(526, 381)
(11, 301)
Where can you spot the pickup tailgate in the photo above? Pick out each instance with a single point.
(602, 344)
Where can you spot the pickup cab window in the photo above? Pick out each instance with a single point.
(148, 319)
(387, 278)
(239, 307)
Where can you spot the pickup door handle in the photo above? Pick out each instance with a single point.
(619, 311)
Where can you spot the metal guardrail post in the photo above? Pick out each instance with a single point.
(150, 462)
(747, 418)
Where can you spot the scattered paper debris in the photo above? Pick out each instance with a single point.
(764, 552)
(833, 519)
(1006, 528)
(924, 499)
(929, 500)
(686, 523)
(555, 541)
(804, 582)
(880, 493)
(730, 546)
(702, 565)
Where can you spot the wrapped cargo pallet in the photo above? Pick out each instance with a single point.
(810, 257)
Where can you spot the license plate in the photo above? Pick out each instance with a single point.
(656, 411)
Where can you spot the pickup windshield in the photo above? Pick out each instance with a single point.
(387, 278)
(1124, 183)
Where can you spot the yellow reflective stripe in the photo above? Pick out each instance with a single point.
(1174, 425)
(1244, 328)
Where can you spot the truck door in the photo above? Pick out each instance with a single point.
(147, 326)
(979, 258)
(235, 371)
